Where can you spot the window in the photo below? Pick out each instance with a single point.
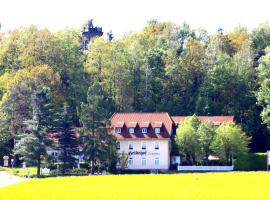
(157, 130)
(118, 145)
(157, 162)
(130, 162)
(131, 130)
(118, 130)
(143, 145)
(144, 130)
(54, 154)
(156, 145)
(143, 161)
(130, 145)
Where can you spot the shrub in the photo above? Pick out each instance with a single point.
(76, 172)
(84, 165)
(251, 162)
(53, 173)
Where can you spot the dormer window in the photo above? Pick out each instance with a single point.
(157, 130)
(131, 130)
(144, 130)
(118, 130)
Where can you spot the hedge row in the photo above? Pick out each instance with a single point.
(251, 162)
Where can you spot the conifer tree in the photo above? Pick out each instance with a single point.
(99, 146)
(68, 142)
(33, 144)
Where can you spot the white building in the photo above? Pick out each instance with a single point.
(144, 138)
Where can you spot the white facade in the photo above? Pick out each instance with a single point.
(146, 154)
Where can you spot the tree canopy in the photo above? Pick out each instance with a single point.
(164, 67)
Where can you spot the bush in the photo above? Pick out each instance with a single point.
(53, 173)
(76, 172)
(84, 165)
(251, 162)
(53, 166)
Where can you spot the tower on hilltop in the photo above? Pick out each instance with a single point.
(89, 32)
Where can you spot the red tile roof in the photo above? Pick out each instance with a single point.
(152, 121)
(217, 120)
(141, 120)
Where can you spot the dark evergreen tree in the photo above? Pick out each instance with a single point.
(33, 144)
(99, 146)
(68, 142)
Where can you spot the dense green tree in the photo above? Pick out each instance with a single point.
(260, 37)
(74, 82)
(10, 51)
(99, 146)
(187, 139)
(94, 112)
(206, 132)
(33, 144)
(162, 67)
(16, 101)
(184, 78)
(68, 140)
(263, 94)
(39, 47)
(6, 141)
(229, 142)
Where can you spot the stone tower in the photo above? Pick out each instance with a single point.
(89, 32)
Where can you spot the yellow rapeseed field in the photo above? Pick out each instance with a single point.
(216, 186)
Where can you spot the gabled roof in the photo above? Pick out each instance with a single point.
(143, 119)
(217, 120)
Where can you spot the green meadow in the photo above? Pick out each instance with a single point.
(227, 186)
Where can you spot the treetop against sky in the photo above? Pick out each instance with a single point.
(122, 16)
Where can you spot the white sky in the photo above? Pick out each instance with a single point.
(122, 16)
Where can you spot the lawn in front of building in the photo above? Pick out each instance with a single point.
(18, 171)
(234, 185)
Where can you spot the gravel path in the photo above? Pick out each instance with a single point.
(7, 179)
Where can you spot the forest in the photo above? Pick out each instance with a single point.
(164, 67)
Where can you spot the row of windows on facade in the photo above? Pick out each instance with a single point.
(132, 130)
(143, 161)
(143, 145)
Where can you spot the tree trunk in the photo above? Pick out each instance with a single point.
(227, 155)
(193, 159)
(38, 166)
(92, 166)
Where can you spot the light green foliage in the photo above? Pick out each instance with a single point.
(39, 47)
(187, 139)
(185, 73)
(206, 132)
(196, 140)
(260, 37)
(229, 142)
(263, 94)
(163, 67)
(16, 103)
(9, 52)
(71, 69)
